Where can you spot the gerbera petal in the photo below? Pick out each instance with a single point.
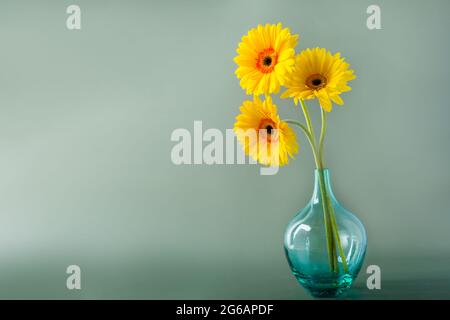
(256, 115)
(337, 99)
(265, 57)
(318, 74)
(324, 100)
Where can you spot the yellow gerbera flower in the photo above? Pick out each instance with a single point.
(319, 74)
(265, 55)
(263, 135)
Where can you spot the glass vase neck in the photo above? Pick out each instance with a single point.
(323, 174)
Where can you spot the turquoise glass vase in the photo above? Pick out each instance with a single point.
(325, 244)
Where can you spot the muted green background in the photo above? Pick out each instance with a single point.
(86, 176)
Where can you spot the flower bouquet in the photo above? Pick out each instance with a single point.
(325, 244)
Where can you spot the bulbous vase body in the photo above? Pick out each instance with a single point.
(325, 263)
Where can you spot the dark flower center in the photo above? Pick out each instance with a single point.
(267, 61)
(268, 130)
(316, 81)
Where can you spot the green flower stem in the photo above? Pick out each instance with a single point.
(338, 240)
(322, 135)
(332, 257)
(331, 227)
(325, 198)
(328, 200)
(331, 247)
(308, 135)
(308, 121)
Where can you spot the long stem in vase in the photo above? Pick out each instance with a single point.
(327, 198)
(330, 224)
(309, 132)
(323, 130)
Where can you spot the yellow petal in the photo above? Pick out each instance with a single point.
(324, 100)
